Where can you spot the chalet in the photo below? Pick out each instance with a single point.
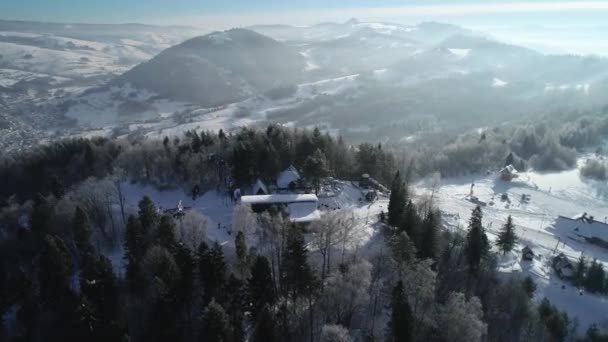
(371, 196)
(302, 208)
(563, 266)
(288, 179)
(259, 188)
(508, 173)
(368, 182)
(527, 254)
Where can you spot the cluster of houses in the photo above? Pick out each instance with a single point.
(291, 193)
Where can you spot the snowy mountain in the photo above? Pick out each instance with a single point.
(218, 68)
(415, 79)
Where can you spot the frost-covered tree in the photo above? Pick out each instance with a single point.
(97, 197)
(402, 249)
(193, 229)
(460, 320)
(330, 230)
(334, 333)
(419, 283)
(346, 292)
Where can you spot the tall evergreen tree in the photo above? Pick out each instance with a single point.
(216, 324)
(81, 229)
(165, 235)
(212, 270)
(477, 247)
(265, 329)
(41, 214)
(596, 277)
(507, 238)
(148, 215)
(186, 263)
(235, 299)
(580, 271)
(98, 287)
(55, 270)
(410, 222)
(135, 247)
(401, 324)
(259, 287)
(315, 168)
(397, 201)
(57, 187)
(297, 275)
(428, 243)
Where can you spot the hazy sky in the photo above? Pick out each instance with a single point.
(233, 12)
(561, 26)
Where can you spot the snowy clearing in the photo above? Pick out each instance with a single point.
(551, 195)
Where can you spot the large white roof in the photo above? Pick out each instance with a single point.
(303, 212)
(576, 226)
(279, 198)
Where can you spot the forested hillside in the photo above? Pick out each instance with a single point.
(78, 265)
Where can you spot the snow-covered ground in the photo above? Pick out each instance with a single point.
(551, 194)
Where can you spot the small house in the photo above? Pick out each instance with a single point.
(563, 266)
(288, 179)
(364, 182)
(259, 188)
(527, 254)
(371, 196)
(508, 173)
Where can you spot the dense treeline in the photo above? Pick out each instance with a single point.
(549, 145)
(208, 159)
(198, 158)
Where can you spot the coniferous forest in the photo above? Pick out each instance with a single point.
(62, 210)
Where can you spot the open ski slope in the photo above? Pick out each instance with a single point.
(551, 194)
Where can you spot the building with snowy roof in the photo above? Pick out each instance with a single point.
(508, 173)
(288, 179)
(259, 188)
(301, 208)
(583, 226)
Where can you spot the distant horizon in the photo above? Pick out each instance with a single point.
(558, 27)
